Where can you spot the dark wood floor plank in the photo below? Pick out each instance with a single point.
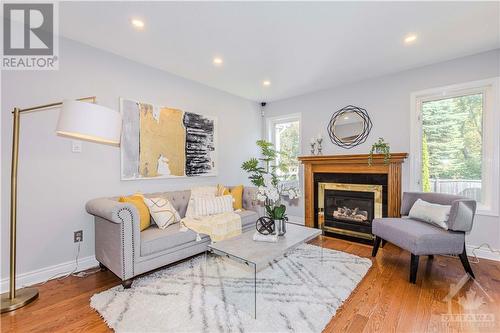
(384, 301)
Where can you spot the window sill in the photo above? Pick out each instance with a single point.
(486, 212)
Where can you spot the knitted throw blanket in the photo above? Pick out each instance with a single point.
(218, 227)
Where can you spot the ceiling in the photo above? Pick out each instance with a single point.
(300, 47)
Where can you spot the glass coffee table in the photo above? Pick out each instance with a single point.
(231, 266)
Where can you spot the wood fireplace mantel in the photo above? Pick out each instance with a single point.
(353, 164)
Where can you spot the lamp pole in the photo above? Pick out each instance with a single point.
(15, 299)
(13, 203)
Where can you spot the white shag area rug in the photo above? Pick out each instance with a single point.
(297, 293)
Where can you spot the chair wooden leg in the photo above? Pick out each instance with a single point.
(413, 268)
(383, 243)
(465, 262)
(127, 283)
(376, 244)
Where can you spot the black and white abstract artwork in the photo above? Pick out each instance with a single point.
(200, 144)
(164, 142)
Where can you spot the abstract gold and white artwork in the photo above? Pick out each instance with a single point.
(163, 142)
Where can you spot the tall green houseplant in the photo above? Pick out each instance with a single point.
(263, 173)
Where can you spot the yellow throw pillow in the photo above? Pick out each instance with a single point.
(222, 190)
(138, 201)
(236, 192)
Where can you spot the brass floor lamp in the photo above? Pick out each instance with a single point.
(78, 119)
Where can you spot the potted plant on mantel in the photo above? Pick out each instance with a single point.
(269, 174)
(380, 147)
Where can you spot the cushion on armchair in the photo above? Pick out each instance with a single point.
(431, 213)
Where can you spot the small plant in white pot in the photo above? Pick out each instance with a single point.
(380, 147)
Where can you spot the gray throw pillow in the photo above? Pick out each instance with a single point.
(431, 213)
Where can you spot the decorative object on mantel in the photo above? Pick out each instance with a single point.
(265, 225)
(316, 145)
(271, 185)
(349, 127)
(380, 147)
(313, 146)
(162, 142)
(319, 140)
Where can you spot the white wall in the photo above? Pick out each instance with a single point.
(387, 100)
(55, 183)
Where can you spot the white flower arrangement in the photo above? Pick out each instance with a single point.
(270, 187)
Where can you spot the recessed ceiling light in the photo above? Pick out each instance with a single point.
(218, 61)
(410, 38)
(266, 83)
(138, 23)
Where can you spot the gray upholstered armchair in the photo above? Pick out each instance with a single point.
(421, 238)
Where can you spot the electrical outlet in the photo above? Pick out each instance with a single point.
(78, 236)
(76, 146)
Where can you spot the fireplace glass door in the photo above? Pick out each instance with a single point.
(349, 206)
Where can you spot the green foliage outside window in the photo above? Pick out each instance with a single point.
(452, 139)
(426, 184)
(289, 147)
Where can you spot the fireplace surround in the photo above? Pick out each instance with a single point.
(347, 208)
(348, 182)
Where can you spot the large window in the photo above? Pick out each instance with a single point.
(284, 133)
(455, 142)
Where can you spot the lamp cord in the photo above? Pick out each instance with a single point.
(476, 259)
(73, 272)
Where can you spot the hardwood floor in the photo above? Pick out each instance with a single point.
(383, 302)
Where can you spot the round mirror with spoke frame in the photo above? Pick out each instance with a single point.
(349, 126)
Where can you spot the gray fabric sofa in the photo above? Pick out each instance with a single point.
(121, 247)
(421, 238)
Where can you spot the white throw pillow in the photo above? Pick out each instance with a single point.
(205, 206)
(162, 212)
(199, 192)
(430, 213)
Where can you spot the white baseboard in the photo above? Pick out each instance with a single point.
(483, 253)
(42, 274)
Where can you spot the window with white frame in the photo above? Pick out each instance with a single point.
(455, 142)
(284, 133)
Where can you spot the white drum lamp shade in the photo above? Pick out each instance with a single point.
(90, 122)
